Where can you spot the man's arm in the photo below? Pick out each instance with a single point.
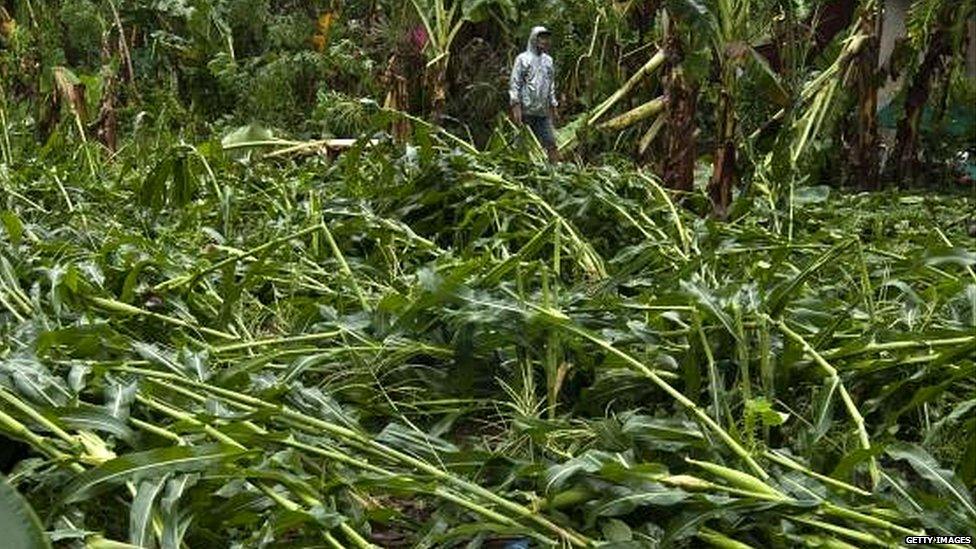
(515, 90)
(553, 103)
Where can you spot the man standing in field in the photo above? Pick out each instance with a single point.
(532, 90)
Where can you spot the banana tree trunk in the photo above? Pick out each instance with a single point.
(397, 97)
(438, 88)
(864, 155)
(971, 48)
(905, 154)
(724, 174)
(682, 103)
(107, 123)
(679, 167)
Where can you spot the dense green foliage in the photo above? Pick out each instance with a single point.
(223, 335)
(318, 349)
(311, 68)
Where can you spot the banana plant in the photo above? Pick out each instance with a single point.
(813, 116)
(442, 21)
(935, 27)
(568, 136)
(725, 31)
(681, 87)
(441, 25)
(865, 150)
(21, 526)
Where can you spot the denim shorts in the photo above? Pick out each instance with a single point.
(541, 126)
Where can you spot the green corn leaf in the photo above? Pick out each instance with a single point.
(141, 511)
(13, 225)
(780, 296)
(708, 301)
(19, 524)
(146, 464)
(94, 419)
(621, 502)
(152, 193)
(926, 466)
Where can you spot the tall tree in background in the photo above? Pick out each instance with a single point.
(864, 150)
(937, 28)
(708, 46)
(730, 28)
(681, 93)
(905, 155)
(442, 21)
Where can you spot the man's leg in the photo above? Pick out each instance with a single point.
(553, 154)
(541, 127)
(549, 141)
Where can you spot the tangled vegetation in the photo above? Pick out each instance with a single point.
(419, 347)
(215, 334)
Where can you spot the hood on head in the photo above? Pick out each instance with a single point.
(536, 31)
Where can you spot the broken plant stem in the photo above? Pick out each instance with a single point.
(832, 373)
(665, 386)
(188, 279)
(363, 442)
(125, 308)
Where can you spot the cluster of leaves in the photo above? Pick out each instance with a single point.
(428, 345)
(299, 66)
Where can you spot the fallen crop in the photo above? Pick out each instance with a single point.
(399, 350)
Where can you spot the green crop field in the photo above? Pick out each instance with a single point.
(242, 307)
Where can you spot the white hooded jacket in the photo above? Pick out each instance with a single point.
(532, 83)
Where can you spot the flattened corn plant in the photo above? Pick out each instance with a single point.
(432, 347)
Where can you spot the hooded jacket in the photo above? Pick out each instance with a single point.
(532, 81)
